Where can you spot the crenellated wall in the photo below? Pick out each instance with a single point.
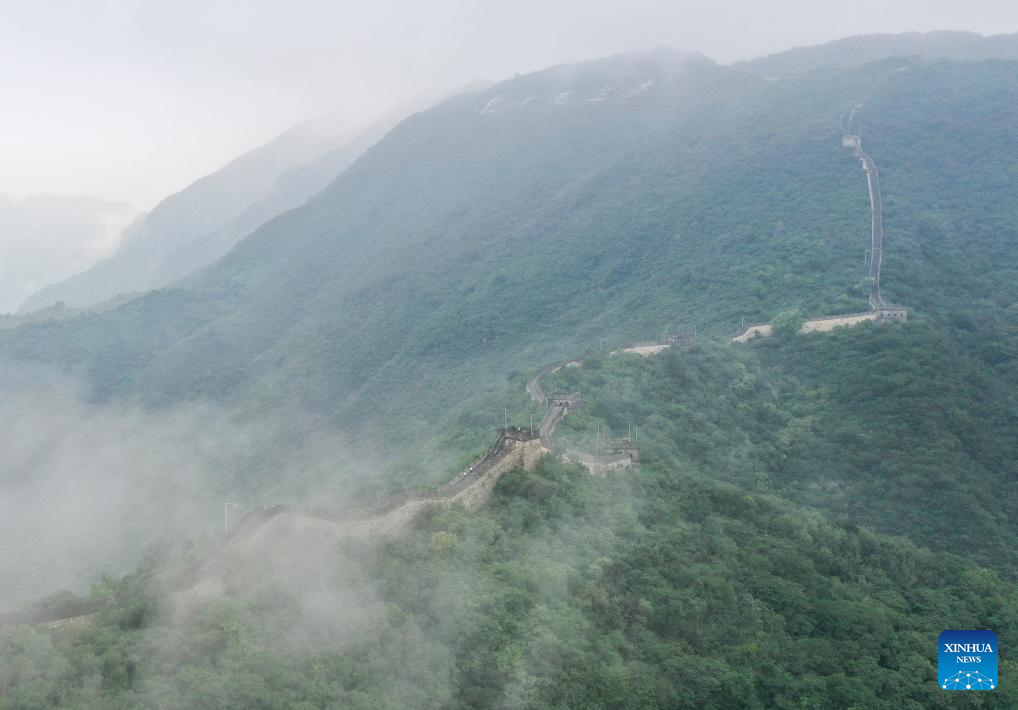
(826, 323)
(523, 455)
(829, 323)
(604, 465)
(471, 491)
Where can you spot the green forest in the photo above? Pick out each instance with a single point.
(891, 427)
(785, 543)
(660, 590)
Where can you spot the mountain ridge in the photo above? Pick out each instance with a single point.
(211, 205)
(863, 49)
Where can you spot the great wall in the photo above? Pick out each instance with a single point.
(824, 324)
(514, 447)
(521, 448)
(880, 310)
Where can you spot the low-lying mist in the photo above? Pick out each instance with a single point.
(84, 486)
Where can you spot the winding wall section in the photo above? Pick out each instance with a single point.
(513, 448)
(851, 139)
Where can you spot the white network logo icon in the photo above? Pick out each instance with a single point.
(963, 680)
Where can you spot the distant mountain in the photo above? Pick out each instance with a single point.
(292, 187)
(45, 238)
(202, 222)
(196, 226)
(863, 49)
(148, 255)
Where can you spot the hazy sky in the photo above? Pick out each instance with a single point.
(132, 100)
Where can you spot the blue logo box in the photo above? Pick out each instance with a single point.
(967, 660)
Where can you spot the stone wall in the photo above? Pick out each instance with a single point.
(515, 453)
(524, 455)
(304, 525)
(569, 400)
(646, 349)
(828, 323)
(762, 331)
(823, 325)
(605, 464)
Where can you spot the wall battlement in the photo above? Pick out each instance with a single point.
(895, 314)
(613, 455)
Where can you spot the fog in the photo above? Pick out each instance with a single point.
(85, 487)
(132, 101)
(46, 238)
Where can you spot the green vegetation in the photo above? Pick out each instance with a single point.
(787, 323)
(885, 426)
(658, 590)
(812, 510)
(464, 246)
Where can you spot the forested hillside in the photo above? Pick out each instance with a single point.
(811, 511)
(610, 199)
(662, 590)
(946, 153)
(893, 428)
(596, 200)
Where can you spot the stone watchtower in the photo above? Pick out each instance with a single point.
(523, 445)
(624, 451)
(612, 455)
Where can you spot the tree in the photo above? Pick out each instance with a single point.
(443, 543)
(30, 668)
(787, 323)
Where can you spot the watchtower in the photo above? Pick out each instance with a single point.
(517, 434)
(619, 450)
(613, 456)
(683, 341)
(520, 447)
